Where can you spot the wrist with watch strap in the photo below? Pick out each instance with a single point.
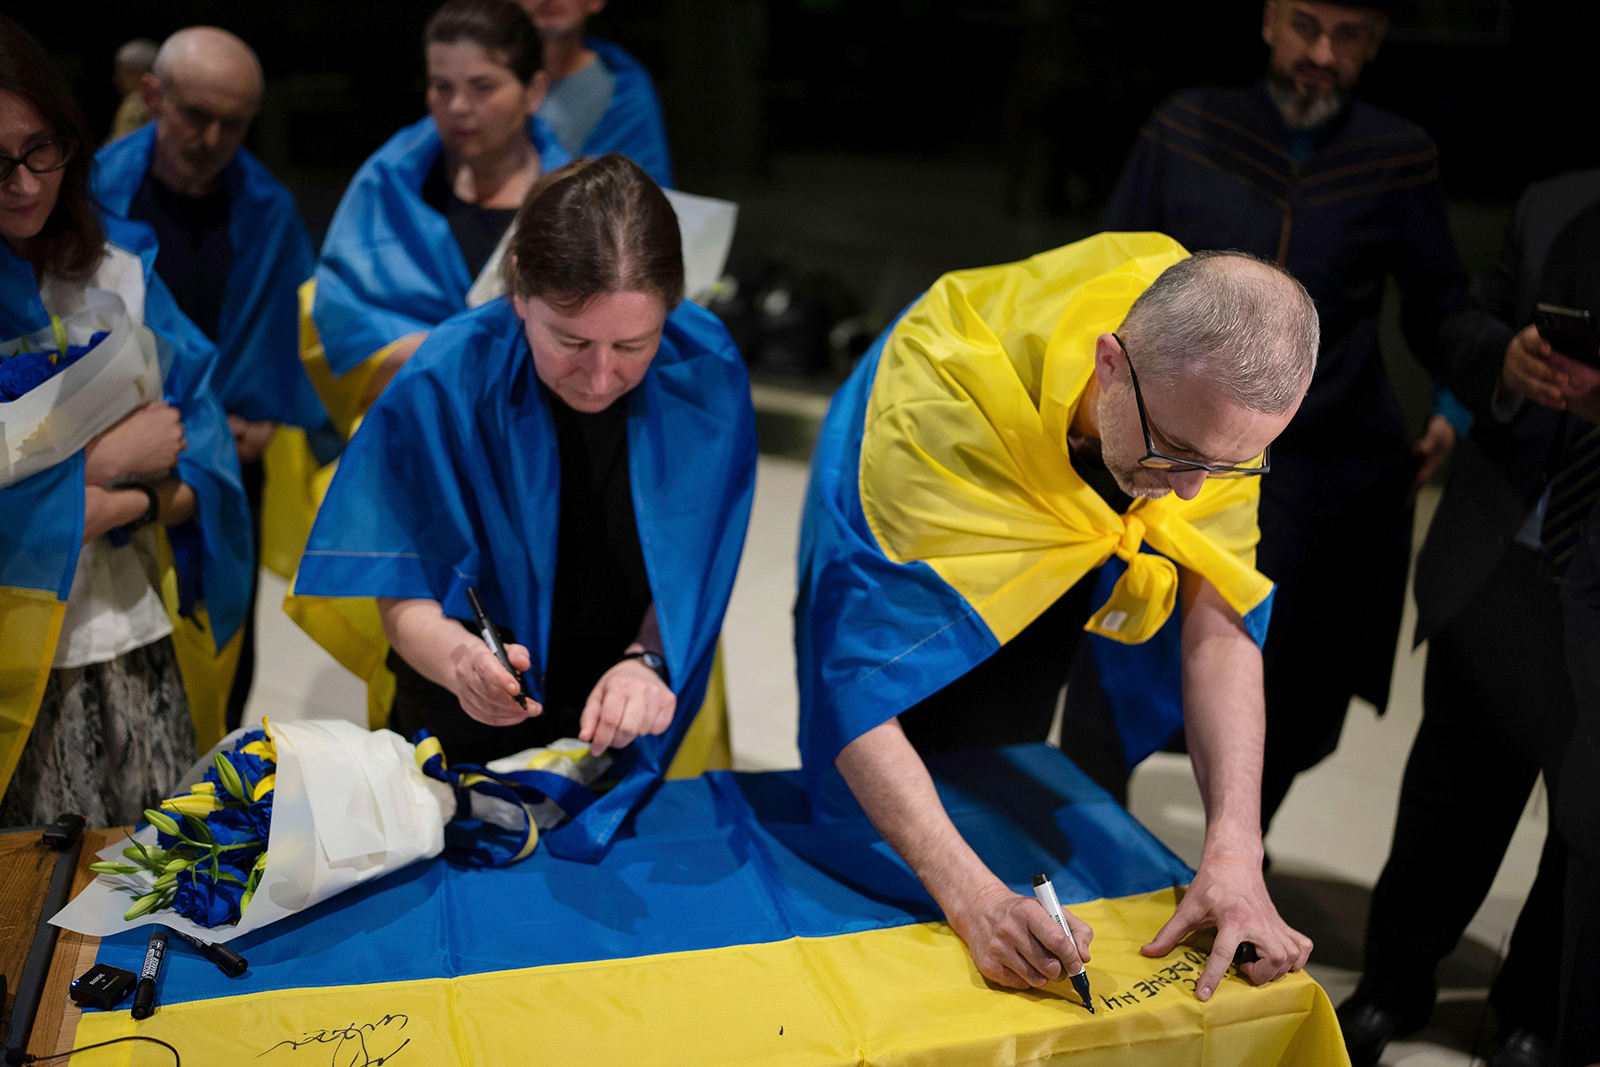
(654, 661)
(152, 510)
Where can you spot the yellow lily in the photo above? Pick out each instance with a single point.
(197, 804)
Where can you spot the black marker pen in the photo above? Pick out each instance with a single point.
(144, 996)
(492, 639)
(228, 961)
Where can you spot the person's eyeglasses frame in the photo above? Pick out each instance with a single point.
(1181, 466)
(9, 164)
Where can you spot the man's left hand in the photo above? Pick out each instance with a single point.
(1431, 448)
(1228, 894)
(251, 438)
(630, 700)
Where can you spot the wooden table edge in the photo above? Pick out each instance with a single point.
(56, 1024)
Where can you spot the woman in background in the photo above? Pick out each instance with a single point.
(93, 716)
(417, 235)
(583, 454)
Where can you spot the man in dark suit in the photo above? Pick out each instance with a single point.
(1498, 703)
(1577, 814)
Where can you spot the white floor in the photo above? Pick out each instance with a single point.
(1335, 825)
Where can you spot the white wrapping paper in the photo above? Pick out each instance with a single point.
(350, 805)
(55, 419)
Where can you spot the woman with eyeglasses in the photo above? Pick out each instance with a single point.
(93, 714)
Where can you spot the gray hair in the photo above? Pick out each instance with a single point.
(1239, 322)
(138, 54)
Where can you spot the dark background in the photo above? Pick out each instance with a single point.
(873, 144)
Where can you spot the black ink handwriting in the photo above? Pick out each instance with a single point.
(352, 1045)
(1185, 974)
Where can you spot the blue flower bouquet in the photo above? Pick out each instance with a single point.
(272, 821)
(211, 842)
(62, 385)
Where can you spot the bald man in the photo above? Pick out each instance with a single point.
(232, 247)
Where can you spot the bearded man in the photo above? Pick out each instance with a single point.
(1343, 196)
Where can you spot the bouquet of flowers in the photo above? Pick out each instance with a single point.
(65, 383)
(333, 805)
(211, 842)
(25, 368)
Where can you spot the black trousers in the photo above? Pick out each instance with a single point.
(1580, 987)
(1498, 708)
(1336, 538)
(1010, 698)
(254, 475)
(1578, 813)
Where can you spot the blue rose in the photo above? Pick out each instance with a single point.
(205, 902)
(250, 737)
(77, 352)
(21, 373)
(250, 767)
(233, 826)
(260, 814)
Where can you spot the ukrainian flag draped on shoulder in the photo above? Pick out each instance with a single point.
(390, 266)
(944, 516)
(258, 373)
(453, 482)
(207, 583)
(632, 122)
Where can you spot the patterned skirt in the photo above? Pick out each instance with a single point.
(110, 740)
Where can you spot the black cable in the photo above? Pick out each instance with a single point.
(13, 1059)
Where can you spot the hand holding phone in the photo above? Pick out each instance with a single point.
(1570, 331)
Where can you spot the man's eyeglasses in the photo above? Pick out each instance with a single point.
(46, 157)
(1155, 459)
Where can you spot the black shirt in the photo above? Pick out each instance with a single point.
(600, 598)
(601, 591)
(477, 229)
(195, 256)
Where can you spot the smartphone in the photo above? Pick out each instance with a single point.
(1569, 331)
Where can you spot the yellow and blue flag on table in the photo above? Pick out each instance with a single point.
(207, 582)
(632, 122)
(726, 927)
(258, 374)
(453, 482)
(943, 514)
(390, 266)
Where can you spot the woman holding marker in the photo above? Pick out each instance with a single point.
(418, 237)
(582, 453)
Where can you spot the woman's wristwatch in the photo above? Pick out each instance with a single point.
(652, 660)
(152, 511)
